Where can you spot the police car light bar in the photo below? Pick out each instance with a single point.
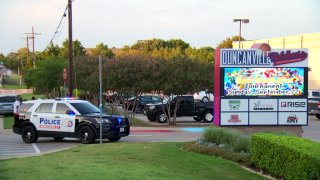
(67, 98)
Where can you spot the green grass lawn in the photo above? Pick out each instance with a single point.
(7, 122)
(9, 87)
(28, 96)
(124, 161)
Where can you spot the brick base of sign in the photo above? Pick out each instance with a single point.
(295, 130)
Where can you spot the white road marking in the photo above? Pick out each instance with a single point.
(36, 148)
(12, 149)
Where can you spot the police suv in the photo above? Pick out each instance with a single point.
(59, 118)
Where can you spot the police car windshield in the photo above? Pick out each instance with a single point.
(85, 108)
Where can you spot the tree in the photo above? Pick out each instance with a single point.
(157, 44)
(149, 45)
(18, 61)
(184, 76)
(2, 57)
(227, 43)
(52, 50)
(203, 54)
(78, 49)
(102, 50)
(149, 66)
(132, 74)
(87, 77)
(177, 43)
(46, 78)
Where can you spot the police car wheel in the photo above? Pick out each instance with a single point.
(29, 134)
(114, 139)
(86, 135)
(58, 138)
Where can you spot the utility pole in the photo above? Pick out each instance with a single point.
(70, 50)
(32, 37)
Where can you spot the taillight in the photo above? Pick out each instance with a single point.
(318, 104)
(19, 116)
(16, 115)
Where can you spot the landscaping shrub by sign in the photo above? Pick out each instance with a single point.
(288, 157)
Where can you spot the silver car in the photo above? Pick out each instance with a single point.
(6, 104)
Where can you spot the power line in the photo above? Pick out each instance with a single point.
(57, 29)
(33, 37)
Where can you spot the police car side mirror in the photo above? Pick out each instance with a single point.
(70, 112)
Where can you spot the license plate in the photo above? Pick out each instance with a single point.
(7, 107)
(122, 129)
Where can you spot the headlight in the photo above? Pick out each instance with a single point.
(103, 120)
(151, 107)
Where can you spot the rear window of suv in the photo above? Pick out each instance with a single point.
(25, 107)
(7, 99)
(45, 108)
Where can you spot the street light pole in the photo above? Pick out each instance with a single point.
(240, 21)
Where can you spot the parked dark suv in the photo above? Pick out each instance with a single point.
(187, 107)
(137, 104)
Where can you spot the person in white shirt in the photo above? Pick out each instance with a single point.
(17, 104)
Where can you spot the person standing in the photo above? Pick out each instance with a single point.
(17, 104)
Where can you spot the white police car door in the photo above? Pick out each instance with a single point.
(43, 118)
(67, 121)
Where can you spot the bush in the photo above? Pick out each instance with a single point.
(232, 138)
(11, 80)
(288, 157)
(243, 159)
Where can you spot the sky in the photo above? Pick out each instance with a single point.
(123, 22)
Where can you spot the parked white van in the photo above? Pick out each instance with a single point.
(314, 102)
(313, 94)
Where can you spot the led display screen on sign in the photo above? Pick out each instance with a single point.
(281, 81)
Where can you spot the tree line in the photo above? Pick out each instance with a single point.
(155, 65)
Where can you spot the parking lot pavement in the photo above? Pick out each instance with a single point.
(12, 146)
(312, 131)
